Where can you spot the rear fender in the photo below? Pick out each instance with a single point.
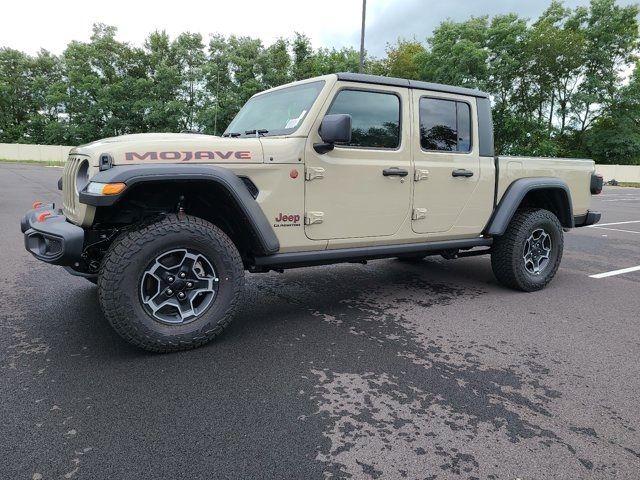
(555, 191)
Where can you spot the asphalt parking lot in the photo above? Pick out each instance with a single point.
(383, 370)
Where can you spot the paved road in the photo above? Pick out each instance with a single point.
(378, 371)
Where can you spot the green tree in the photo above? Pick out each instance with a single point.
(47, 123)
(189, 56)
(107, 87)
(615, 136)
(302, 57)
(162, 98)
(558, 84)
(325, 61)
(401, 59)
(457, 54)
(275, 64)
(610, 43)
(16, 105)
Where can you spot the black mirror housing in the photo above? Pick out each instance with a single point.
(336, 128)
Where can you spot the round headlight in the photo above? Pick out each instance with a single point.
(82, 176)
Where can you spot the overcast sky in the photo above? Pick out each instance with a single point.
(29, 25)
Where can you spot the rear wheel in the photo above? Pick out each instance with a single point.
(528, 255)
(171, 285)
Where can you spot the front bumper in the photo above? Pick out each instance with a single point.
(52, 239)
(590, 218)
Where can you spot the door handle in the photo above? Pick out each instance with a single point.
(395, 172)
(461, 172)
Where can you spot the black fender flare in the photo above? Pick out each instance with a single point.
(223, 177)
(515, 193)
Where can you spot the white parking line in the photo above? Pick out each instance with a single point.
(616, 230)
(614, 223)
(617, 194)
(615, 272)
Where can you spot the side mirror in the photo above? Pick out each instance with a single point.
(333, 129)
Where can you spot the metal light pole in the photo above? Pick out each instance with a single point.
(364, 14)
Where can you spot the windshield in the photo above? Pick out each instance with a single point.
(279, 112)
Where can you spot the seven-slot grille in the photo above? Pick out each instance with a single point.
(69, 195)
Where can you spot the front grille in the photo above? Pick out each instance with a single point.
(69, 194)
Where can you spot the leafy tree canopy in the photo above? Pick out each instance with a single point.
(562, 84)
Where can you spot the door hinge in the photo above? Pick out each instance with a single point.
(419, 214)
(421, 175)
(312, 173)
(313, 217)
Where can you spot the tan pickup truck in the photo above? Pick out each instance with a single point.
(339, 168)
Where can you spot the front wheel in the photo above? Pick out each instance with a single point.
(171, 285)
(528, 255)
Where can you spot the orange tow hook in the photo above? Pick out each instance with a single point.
(43, 216)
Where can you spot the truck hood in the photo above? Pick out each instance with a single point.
(173, 148)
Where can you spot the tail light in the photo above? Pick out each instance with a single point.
(596, 183)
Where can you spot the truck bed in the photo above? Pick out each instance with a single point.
(575, 172)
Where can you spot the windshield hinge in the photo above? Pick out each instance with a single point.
(420, 175)
(419, 214)
(312, 173)
(313, 217)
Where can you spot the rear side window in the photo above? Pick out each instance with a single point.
(375, 117)
(445, 125)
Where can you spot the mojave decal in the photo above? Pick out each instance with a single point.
(186, 156)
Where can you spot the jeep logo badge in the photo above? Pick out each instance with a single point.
(287, 220)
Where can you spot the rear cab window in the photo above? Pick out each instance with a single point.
(375, 117)
(445, 125)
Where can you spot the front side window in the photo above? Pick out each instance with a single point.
(375, 117)
(279, 112)
(445, 125)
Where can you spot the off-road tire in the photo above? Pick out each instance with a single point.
(507, 250)
(126, 261)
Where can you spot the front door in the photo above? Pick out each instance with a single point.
(362, 189)
(447, 162)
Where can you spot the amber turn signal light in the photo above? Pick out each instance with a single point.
(113, 188)
(98, 188)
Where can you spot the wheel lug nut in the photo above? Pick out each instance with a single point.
(181, 295)
(169, 292)
(170, 279)
(182, 275)
(189, 284)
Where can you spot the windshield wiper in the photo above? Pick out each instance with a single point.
(231, 134)
(257, 133)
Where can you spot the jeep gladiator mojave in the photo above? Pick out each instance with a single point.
(338, 168)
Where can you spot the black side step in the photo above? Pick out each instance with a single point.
(345, 255)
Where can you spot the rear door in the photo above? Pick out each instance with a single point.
(447, 161)
(362, 189)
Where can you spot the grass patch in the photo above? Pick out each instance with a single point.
(629, 184)
(47, 163)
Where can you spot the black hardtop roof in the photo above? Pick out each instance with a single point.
(403, 82)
